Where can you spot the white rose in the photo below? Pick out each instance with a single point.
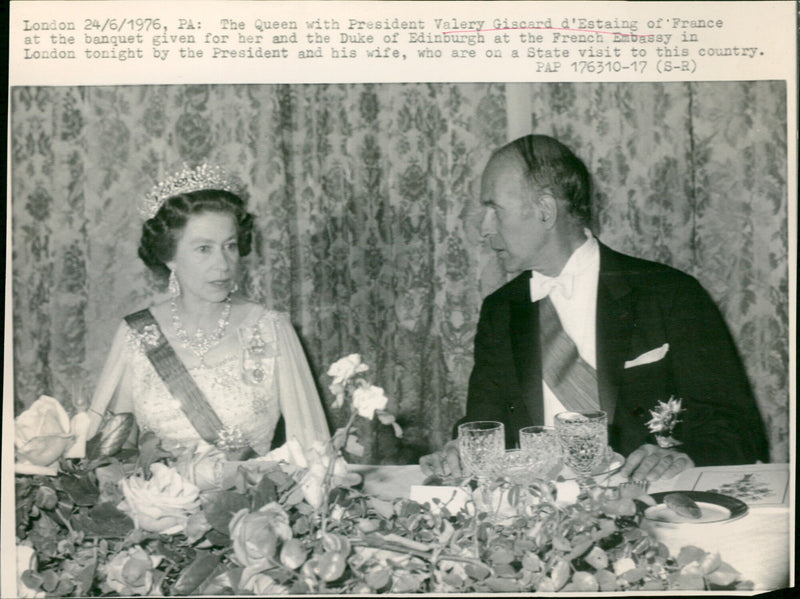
(42, 435)
(255, 535)
(367, 399)
(345, 368)
(162, 504)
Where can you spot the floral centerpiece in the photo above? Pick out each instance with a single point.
(120, 521)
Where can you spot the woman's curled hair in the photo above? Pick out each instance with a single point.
(160, 234)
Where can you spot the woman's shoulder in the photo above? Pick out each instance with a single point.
(147, 320)
(160, 311)
(256, 313)
(134, 329)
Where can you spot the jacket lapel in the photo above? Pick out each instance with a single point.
(614, 322)
(613, 325)
(524, 325)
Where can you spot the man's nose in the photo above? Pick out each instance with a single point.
(488, 224)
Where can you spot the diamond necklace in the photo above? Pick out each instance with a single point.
(200, 343)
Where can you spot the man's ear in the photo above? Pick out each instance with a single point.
(548, 209)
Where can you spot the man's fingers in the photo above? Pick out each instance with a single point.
(431, 464)
(642, 472)
(663, 462)
(633, 460)
(650, 463)
(425, 465)
(444, 462)
(453, 461)
(679, 464)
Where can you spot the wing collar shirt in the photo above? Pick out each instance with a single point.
(574, 295)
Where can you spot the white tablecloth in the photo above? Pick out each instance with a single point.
(758, 545)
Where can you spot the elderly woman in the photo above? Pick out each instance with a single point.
(206, 369)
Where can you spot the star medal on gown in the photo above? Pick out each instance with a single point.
(254, 354)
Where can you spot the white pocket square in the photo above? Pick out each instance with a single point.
(654, 355)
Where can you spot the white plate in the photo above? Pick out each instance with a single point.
(714, 507)
(608, 467)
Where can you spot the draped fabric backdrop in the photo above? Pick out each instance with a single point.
(366, 203)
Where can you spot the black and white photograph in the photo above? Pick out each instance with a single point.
(400, 337)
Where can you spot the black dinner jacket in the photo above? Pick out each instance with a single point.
(641, 306)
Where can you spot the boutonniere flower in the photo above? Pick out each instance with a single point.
(663, 421)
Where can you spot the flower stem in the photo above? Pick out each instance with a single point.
(326, 481)
(425, 555)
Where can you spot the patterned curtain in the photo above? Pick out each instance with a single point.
(365, 197)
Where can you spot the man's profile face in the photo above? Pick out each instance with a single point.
(510, 222)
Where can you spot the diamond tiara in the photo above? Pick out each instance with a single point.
(205, 176)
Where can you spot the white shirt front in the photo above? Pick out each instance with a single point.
(577, 312)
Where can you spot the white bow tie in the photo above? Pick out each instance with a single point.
(542, 286)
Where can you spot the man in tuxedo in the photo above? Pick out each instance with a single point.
(586, 328)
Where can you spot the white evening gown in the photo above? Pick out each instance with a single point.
(248, 393)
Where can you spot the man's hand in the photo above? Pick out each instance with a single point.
(444, 462)
(651, 462)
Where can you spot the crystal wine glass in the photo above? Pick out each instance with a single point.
(481, 445)
(541, 444)
(583, 437)
(519, 467)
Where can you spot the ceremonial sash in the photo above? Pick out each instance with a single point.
(175, 376)
(571, 379)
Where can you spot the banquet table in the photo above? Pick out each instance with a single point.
(759, 544)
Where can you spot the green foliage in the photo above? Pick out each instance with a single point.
(354, 543)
